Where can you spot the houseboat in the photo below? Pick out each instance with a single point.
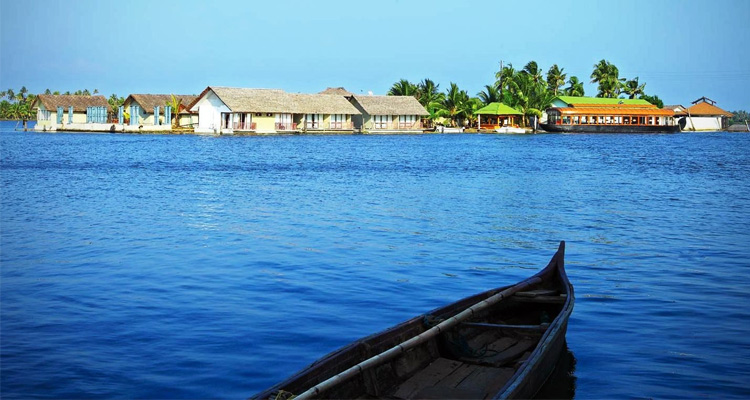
(571, 114)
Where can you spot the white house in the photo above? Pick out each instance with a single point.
(224, 110)
(704, 116)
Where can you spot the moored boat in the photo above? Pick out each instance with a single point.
(571, 114)
(502, 343)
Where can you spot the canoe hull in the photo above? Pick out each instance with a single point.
(522, 378)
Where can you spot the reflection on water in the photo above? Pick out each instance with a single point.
(562, 383)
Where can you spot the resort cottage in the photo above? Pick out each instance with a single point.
(703, 116)
(233, 110)
(497, 116)
(71, 112)
(388, 114)
(153, 112)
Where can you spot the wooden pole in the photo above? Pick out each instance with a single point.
(416, 340)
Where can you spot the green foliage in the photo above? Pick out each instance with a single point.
(739, 117)
(525, 90)
(403, 88)
(175, 103)
(575, 88)
(555, 79)
(655, 100)
(633, 89)
(490, 94)
(607, 76)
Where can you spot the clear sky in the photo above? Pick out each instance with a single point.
(682, 50)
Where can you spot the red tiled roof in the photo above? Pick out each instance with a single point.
(704, 108)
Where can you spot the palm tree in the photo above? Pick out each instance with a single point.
(490, 94)
(403, 88)
(430, 98)
(633, 89)
(455, 105)
(175, 103)
(47, 91)
(607, 76)
(555, 78)
(504, 78)
(532, 69)
(11, 94)
(115, 102)
(427, 92)
(575, 88)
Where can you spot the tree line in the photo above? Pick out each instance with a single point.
(527, 90)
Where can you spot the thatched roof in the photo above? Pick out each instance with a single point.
(79, 102)
(390, 105)
(337, 91)
(149, 101)
(278, 101)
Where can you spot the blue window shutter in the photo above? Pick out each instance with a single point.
(59, 115)
(120, 117)
(156, 115)
(70, 114)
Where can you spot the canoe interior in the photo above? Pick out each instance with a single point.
(509, 348)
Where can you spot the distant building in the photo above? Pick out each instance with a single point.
(149, 110)
(339, 91)
(71, 112)
(703, 115)
(495, 116)
(386, 114)
(233, 110)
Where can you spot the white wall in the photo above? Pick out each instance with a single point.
(209, 109)
(702, 124)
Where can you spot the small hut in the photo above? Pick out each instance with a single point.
(497, 115)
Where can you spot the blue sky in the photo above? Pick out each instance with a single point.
(682, 50)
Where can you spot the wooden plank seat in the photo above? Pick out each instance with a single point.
(445, 378)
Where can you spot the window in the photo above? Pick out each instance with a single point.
(626, 120)
(312, 121)
(650, 120)
(284, 122)
(381, 121)
(406, 121)
(337, 121)
(566, 120)
(641, 120)
(575, 119)
(43, 115)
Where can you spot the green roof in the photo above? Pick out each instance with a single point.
(573, 100)
(497, 109)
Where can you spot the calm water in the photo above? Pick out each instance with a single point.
(195, 267)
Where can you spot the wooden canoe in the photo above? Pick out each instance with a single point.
(503, 343)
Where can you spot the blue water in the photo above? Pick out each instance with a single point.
(146, 266)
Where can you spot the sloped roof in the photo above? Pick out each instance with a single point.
(616, 110)
(390, 105)
(337, 91)
(707, 109)
(679, 110)
(575, 100)
(79, 102)
(278, 101)
(149, 101)
(497, 109)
